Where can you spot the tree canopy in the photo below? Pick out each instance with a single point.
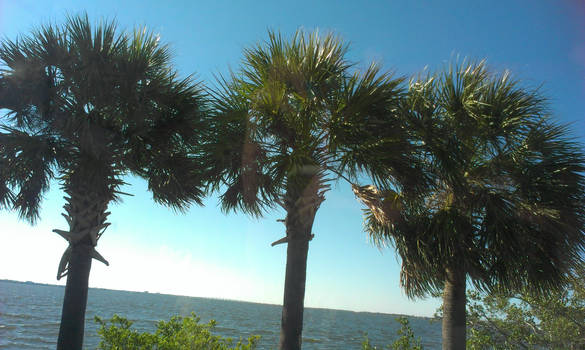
(507, 186)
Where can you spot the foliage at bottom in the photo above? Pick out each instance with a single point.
(524, 321)
(179, 333)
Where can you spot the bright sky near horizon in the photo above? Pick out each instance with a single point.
(207, 253)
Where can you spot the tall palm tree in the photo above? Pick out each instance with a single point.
(506, 208)
(87, 106)
(286, 125)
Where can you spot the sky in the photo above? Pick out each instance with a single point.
(207, 253)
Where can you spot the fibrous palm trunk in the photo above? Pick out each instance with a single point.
(86, 216)
(454, 316)
(294, 294)
(74, 303)
(301, 208)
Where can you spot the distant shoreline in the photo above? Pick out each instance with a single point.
(233, 300)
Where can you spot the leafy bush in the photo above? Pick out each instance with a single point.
(179, 333)
(525, 321)
(522, 321)
(406, 340)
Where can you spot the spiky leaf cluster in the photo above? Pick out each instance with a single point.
(297, 110)
(508, 191)
(83, 98)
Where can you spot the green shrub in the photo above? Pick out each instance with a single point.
(523, 321)
(179, 333)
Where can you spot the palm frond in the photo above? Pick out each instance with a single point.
(28, 163)
(507, 190)
(108, 100)
(297, 102)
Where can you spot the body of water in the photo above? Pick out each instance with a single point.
(30, 315)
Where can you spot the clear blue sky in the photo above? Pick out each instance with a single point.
(206, 253)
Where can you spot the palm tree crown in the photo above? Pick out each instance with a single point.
(507, 199)
(88, 100)
(295, 110)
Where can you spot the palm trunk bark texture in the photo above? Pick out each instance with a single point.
(454, 317)
(72, 326)
(301, 205)
(86, 215)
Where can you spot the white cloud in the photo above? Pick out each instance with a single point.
(172, 271)
(32, 253)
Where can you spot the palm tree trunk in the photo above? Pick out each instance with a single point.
(454, 316)
(86, 215)
(301, 208)
(75, 301)
(294, 295)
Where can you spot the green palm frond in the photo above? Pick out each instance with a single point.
(371, 134)
(109, 97)
(298, 105)
(507, 190)
(7, 195)
(235, 159)
(28, 164)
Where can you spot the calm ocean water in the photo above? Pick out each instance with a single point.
(30, 315)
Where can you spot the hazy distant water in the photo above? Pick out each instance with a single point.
(30, 315)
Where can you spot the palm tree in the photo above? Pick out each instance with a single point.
(506, 205)
(288, 124)
(87, 106)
